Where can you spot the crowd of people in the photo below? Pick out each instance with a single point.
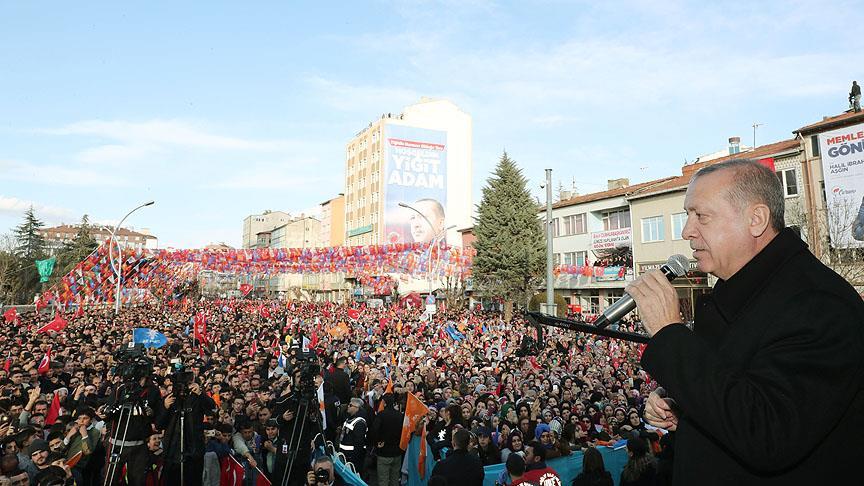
(241, 398)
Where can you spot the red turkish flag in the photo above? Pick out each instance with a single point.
(200, 328)
(45, 364)
(53, 410)
(245, 289)
(11, 315)
(56, 325)
(354, 314)
(231, 472)
(254, 349)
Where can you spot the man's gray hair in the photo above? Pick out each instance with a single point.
(357, 402)
(752, 183)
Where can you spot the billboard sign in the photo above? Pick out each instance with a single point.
(609, 240)
(842, 153)
(415, 175)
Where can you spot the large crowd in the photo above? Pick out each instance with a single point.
(241, 398)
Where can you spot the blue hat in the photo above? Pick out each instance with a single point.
(538, 431)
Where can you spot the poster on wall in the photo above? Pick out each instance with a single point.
(415, 175)
(842, 153)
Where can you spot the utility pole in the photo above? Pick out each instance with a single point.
(550, 281)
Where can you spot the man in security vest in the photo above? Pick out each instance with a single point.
(352, 442)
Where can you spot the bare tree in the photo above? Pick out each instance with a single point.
(454, 291)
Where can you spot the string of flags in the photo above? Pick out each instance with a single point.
(146, 274)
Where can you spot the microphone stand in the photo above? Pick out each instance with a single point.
(538, 318)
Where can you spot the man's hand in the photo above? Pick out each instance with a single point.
(657, 301)
(269, 446)
(252, 461)
(310, 478)
(288, 415)
(195, 388)
(169, 400)
(83, 431)
(659, 413)
(33, 395)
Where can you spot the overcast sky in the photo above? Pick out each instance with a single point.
(218, 110)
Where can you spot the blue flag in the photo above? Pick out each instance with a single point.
(150, 338)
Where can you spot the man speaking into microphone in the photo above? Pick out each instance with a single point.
(769, 384)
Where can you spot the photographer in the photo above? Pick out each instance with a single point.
(131, 410)
(182, 419)
(323, 473)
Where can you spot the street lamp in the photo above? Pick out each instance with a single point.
(119, 267)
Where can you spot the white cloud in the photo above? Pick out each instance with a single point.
(166, 132)
(115, 154)
(13, 206)
(369, 99)
(65, 175)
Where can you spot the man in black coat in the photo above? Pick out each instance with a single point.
(460, 467)
(386, 434)
(185, 407)
(340, 381)
(768, 386)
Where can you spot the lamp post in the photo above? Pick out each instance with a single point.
(119, 267)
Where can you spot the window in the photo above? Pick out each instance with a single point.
(789, 181)
(575, 258)
(556, 259)
(814, 145)
(612, 296)
(678, 222)
(594, 304)
(652, 229)
(575, 224)
(617, 219)
(554, 224)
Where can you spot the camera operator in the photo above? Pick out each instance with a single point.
(182, 419)
(323, 473)
(132, 408)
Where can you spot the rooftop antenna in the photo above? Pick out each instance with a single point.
(755, 126)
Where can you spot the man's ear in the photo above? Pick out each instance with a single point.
(759, 219)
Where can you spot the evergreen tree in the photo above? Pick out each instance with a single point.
(510, 242)
(30, 244)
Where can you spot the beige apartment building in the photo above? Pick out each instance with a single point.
(333, 221)
(57, 236)
(256, 223)
(658, 215)
(366, 170)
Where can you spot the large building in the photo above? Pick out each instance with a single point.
(833, 218)
(333, 221)
(57, 236)
(257, 223)
(408, 176)
(594, 230)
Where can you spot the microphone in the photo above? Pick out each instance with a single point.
(675, 266)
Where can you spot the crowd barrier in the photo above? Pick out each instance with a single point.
(567, 467)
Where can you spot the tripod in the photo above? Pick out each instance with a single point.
(126, 411)
(303, 414)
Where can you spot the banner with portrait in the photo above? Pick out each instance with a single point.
(415, 184)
